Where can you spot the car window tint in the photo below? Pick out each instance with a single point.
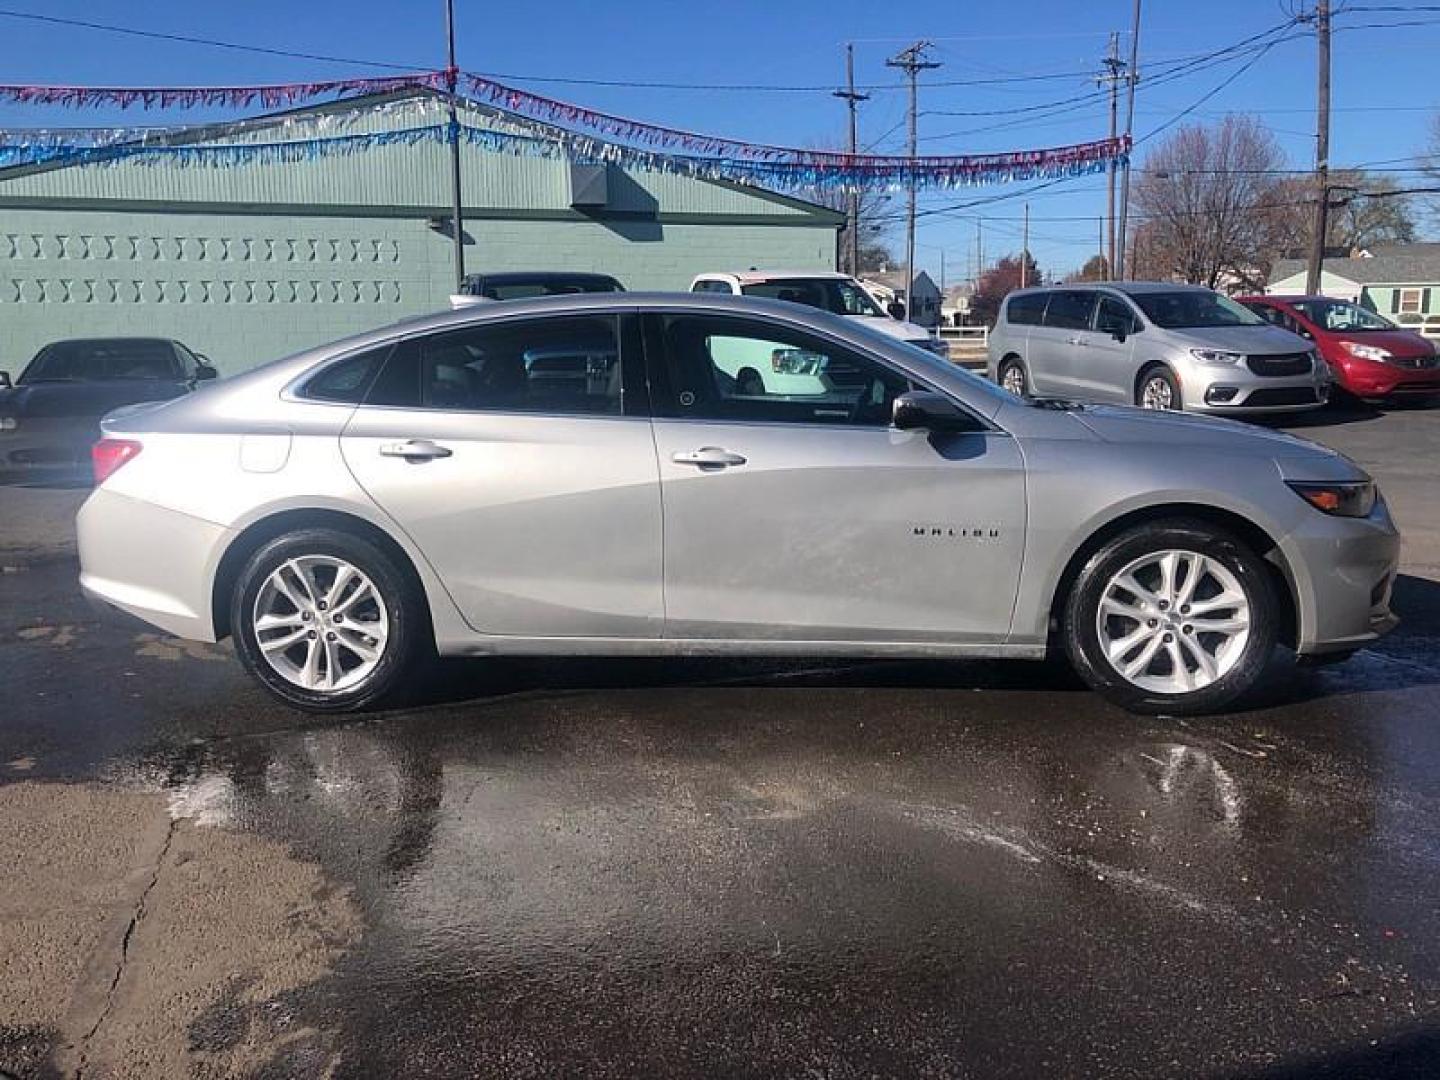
(1025, 310)
(1112, 317)
(738, 370)
(712, 286)
(568, 364)
(1069, 309)
(346, 380)
(108, 358)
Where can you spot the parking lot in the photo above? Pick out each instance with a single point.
(609, 868)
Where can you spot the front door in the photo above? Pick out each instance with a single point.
(517, 455)
(794, 511)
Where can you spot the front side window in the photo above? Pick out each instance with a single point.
(562, 365)
(742, 370)
(1193, 308)
(1069, 309)
(1113, 317)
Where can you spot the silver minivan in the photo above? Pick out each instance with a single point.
(1152, 344)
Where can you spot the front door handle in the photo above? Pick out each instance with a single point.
(1076, 341)
(415, 450)
(712, 457)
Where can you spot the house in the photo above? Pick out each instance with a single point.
(256, 260)
(1400, 281)
(888, 286)
(955, 305)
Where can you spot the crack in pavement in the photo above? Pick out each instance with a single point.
(136, 915)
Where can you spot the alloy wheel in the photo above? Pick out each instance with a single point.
(1173, 622)
(1157, 393)
(1014, 380)
(320, 623)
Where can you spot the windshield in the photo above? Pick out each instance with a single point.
(1193, 308)
(87, 361)
(835, 295)
(1341, 315)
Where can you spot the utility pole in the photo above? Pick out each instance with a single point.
(1113, 67)
(852, 197)
(1322, 150)
(979, 249)
(451, 78)
(1025, 249)
(912, 61)
(1132, 76)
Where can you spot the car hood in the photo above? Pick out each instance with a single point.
(1396, 342)
(1241, 339)
(898, 328)
(83, 399)
(1185, 433)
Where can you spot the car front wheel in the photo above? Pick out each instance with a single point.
(1175, 617)
(1159, 390)
(326, 620)
(1012, 378)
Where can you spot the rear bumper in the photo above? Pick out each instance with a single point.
(154, 563)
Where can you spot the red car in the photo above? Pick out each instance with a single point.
(1371, 357)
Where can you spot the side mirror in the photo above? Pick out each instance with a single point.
(923, 410)
(895, 310)
(5, 382)
(204, 373)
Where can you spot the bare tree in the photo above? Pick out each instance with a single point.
(1364, 211)
(1207, 196)
(874, 223)
(1095, 269)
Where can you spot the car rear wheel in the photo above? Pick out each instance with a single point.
(1175, 617)
(1012, 378)
(326, 620)
(1158, 389)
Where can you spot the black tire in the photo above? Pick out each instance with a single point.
(1081, 638)
(1011, 364)
(408, 626)
(1159, 373)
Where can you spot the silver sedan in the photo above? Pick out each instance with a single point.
(587, 475)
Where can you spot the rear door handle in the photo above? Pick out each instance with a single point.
(415, 450)
(713, 457)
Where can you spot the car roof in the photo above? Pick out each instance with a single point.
(521, 277)
(115, 338)
(755, 277)
(1130, 288)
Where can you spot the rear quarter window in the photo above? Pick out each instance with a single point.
(346, 381)
(1025, 310)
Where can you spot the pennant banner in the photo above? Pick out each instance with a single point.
(272, 96)
(825, 172)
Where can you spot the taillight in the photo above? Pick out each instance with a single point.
(107, 455)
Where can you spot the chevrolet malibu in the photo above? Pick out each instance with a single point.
(424, 488)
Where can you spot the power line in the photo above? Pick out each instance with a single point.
(214, 43)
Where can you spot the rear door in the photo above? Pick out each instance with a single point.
(517, 455)
(800, 514)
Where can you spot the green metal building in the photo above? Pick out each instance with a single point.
(252, 262)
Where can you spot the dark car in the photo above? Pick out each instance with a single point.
(50, 416)
(522, 285)
(1372, 358)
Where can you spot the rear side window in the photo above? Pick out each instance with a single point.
(1069, 309)
(1025, 310)
(564, 365)
(346, 381)
(712, 286)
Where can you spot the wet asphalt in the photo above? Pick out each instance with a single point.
(623, 868)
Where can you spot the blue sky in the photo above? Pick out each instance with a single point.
(1384, 78)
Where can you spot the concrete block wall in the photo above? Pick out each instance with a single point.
(247, 288)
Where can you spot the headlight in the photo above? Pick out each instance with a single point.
(1353, 500)
(1217, 357)
(8, 423)
(1366, 352)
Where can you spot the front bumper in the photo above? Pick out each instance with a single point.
(1235, 390)
(1375, 380)
(1342, 570)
